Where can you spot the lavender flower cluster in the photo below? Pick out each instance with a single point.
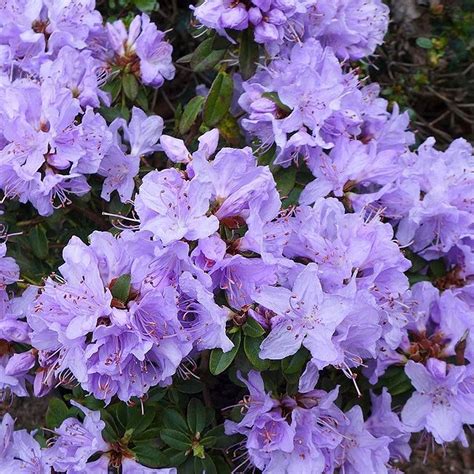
(54, 58)
(212, 243)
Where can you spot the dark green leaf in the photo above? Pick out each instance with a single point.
(173, 419)
(252, 351)
(248, 54)
(130, 86)
(121, 288)
(114, 88)
(138, 421)
(219, 361)
(145, 5)
(147, 453)
(191, 111)
(285, 180)
(230, 131)
(208, 441)
(196, 416)
(221, 465)
(295, 363)
(190, 386)
(438, 268)
(205, 465)
(218, 100)
(39, 242)
(110, 113)
(222, 441)
(253, 328)
(205, 57)
(176, 457)
(176, 439)
(57, 412)
(150, 433)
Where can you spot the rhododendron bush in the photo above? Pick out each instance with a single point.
(231, 258)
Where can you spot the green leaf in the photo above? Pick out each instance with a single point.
(417, 278)
(173, 419)
(176, 457)
(39, 242)
(221, 466)
(176, 439)
(150, 433)
(138, 421)
(208, 441)
(252, 351)
(424, 43)
(248, 54)
(110, 113)
(145, 5)
(438, 268)
(219, 360)
(57, 412)
(253, 328)
(218, 100)
(190, 386)
(204, 465)
(295, 363)
(196, 416)
(147, 453)
(191, 111)
(121, 287)
(285, 180)
(222, 441)
(229, 130)
(205, 57)
(292, 198)
(130, 86)
(114, 88)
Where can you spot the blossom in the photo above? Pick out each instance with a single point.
(143, 48)
(174, 208)
(46, 154)
(120, 167)
(438, 405)
(384, 422)
(360, 450)
(21, 452)
(353, 28)
(128, 339)
(305, 316)
(75, 442)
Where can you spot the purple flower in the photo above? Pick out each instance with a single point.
(120, 168)
(240, 188)
(79, 72)
(75, 442)
(143, 43)
(304, 316)
(23, 453)
(438, 404)
(384, 422)
(9, 269)
(270, 432)
(174, 208)
(240, 277)
(45, 152)
(353, 28)
(362, 452)
(123, 343)
(119, 171)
